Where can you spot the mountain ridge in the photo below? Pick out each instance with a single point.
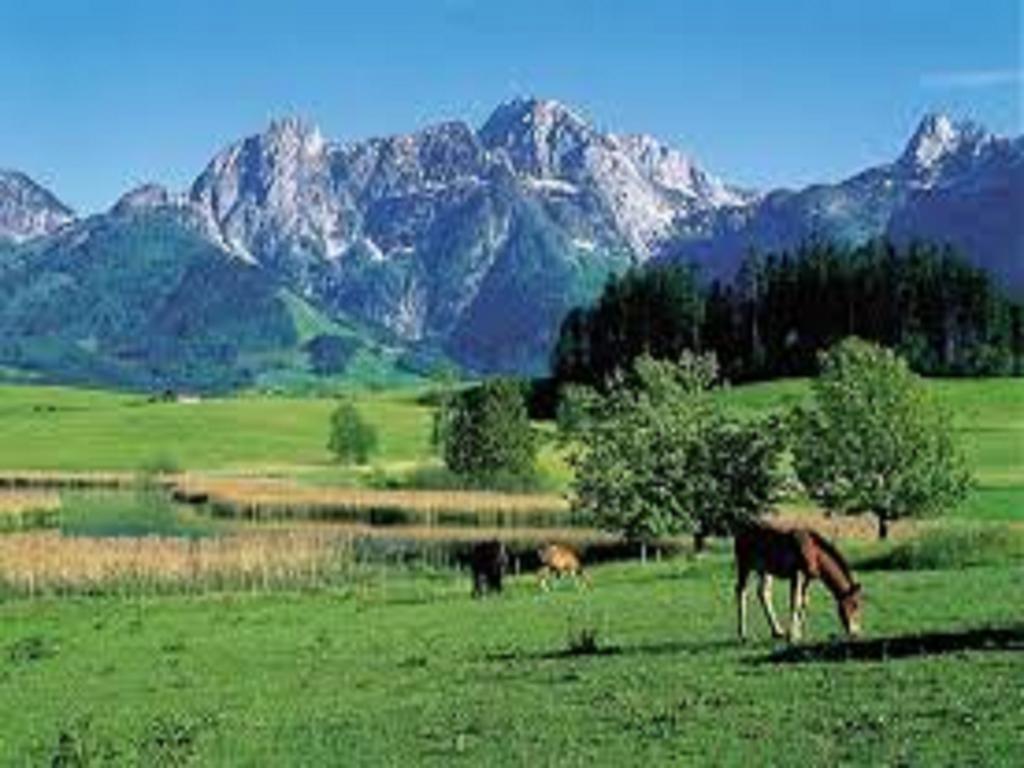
(474, 242)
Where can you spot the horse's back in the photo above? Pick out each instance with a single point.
(560, 558)
(766, 549)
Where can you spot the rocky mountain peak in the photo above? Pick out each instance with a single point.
(145, 196)
(293, 134)
(938, 138)
(28, 210)
(675, 173)
(539, 136)
(273, 189)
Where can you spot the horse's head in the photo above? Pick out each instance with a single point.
(850, 605)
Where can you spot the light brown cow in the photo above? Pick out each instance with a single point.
(559, 560)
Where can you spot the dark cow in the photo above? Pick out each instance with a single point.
(487, 561)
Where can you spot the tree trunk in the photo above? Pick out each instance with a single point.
(883, 528)
(699, 540)
(643, 553)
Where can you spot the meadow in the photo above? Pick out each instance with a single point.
(135, 633)
(404, 669)
(70, 432)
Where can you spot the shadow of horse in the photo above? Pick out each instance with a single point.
(1009, 638)
(667, 648)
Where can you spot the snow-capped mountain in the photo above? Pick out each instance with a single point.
(403, 231)
(968, 168)
(289, 189)
(631, 190)
(28, 210)
(455, 241)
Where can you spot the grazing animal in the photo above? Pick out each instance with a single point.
(488, 561)
(799, 555)
(559, 560)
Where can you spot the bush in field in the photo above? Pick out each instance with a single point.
(659, 455)
(352, 438)
(486, 435)
(874, 441)
(160, 464)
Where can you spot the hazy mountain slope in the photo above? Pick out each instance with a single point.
(953, 181)
(137, 299)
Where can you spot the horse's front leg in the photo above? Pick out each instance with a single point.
(741, 604)
(797, 589)
(764, 592)
(804, 601)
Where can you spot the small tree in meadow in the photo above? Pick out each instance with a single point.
(658, 455)
(486, 435)
(352, 439)
(873, 440)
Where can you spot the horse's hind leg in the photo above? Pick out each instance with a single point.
(542, 578)
(764, 592)
(741, 603)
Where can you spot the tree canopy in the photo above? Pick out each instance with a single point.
(944, 315)
(485, 433)
(352, 439)
(873, 440)
(658, 454)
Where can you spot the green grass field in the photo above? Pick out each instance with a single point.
(52, 428)
(410, 671)
(94, 430)
(401, 667)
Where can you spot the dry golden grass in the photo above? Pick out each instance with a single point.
(44, 563)
(840, 527)
(24, 510)
(450, 534)
(17, 502)
(29, 478)
(258, 498)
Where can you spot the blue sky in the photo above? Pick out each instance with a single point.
(97, 96)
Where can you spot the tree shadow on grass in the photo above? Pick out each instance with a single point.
(1009, 638)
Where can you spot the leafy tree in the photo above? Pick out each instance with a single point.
(874, 441)
(485, 433)
(658, 455)
(352, 439)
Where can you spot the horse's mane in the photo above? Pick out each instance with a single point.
(830, 549)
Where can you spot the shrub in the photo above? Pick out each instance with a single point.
(330, 354)
(352, 439)
(954, 548)
(160, 464)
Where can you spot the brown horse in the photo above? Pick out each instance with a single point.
(799, 555)
(559, 560)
